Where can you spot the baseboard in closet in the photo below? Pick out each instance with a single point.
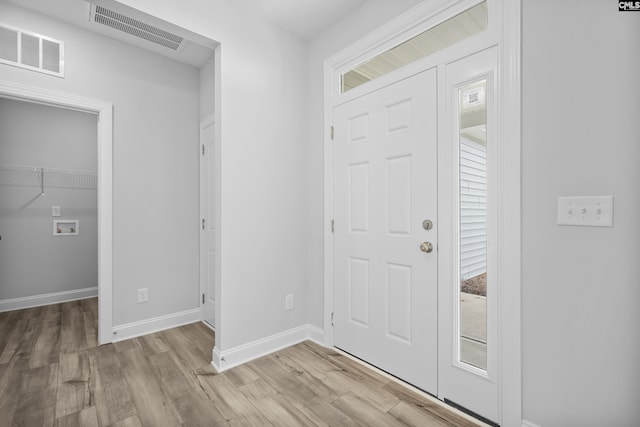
(47, 299)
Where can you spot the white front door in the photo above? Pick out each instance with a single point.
(385, 206)
(208, 221)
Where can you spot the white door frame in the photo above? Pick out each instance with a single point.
(205, 123)
(104, 111)
(503, 31)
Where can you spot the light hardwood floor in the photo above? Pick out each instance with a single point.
(53, 374)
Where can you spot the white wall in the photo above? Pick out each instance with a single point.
(263, 123)
(155, 163)
(349, 29)
(207, 89)
(32, 261)
(581, 288)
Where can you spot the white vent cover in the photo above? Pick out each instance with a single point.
(135, 27)
(26, 49)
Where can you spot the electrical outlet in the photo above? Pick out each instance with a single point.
(288, 302)
(143, 295)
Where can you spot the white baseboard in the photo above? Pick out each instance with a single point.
(208, 325)
(526, 423)
(155, 324)
(46, 299)
(227, 359)
(316, 335)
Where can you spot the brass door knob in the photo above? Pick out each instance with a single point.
(426, 247)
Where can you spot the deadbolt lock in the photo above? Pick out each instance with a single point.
(427, 224)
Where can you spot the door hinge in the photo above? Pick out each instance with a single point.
(332, 318)
(332, 130)
(203, 298)
(203, 223)
(203, 149)
(333, 225)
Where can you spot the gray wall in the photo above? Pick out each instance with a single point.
(581, 289)
(207, 89)
(32, 261)
(349, 29)
(262, 131)
(155, 160)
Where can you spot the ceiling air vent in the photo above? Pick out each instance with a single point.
(26, 49)
(136, 28)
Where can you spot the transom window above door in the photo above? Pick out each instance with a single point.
(457, 28)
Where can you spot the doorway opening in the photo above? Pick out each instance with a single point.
(103, 181)
(48, 205)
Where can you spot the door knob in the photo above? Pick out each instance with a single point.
(426, 247)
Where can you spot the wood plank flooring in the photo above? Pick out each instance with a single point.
(53, 374)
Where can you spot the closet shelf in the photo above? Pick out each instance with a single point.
(31, 176)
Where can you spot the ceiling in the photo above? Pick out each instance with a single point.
(303, 18)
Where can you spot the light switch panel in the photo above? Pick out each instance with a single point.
(589, 211)
(55, 210)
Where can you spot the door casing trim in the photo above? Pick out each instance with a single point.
(204, 123)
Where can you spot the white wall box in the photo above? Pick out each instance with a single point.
(66, 227)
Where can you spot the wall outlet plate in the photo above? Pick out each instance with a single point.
(588, 211)
(143, 294)
(288, 302)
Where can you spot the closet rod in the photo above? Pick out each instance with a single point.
(50, 177)
(41, 170)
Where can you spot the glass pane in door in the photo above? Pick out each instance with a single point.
(472, 245)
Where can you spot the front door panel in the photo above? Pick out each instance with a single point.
(385, 254)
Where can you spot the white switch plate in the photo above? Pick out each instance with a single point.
(589, 211)
(55, 210)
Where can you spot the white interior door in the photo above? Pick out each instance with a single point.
(385, 191)
(208, 221)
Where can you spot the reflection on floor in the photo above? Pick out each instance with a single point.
(52, 373)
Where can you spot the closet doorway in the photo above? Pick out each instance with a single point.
(63, 183)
